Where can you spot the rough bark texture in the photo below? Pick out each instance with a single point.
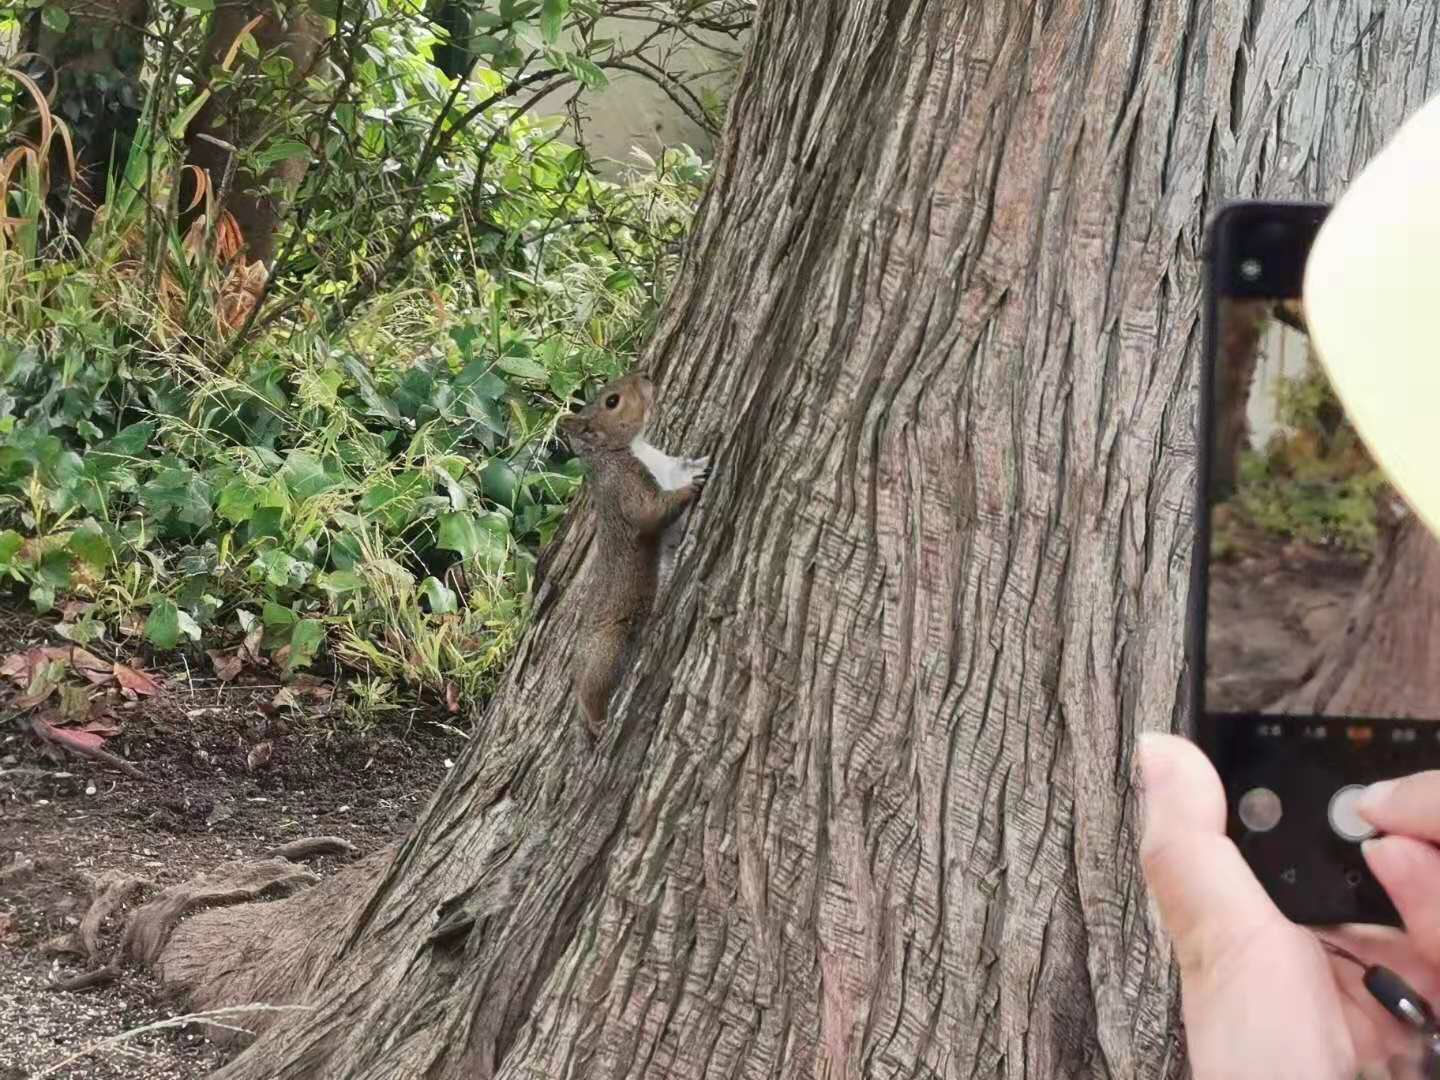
(91, 72)
(864, 807)
(1241, 325)
(225, 121)
(1382, 662)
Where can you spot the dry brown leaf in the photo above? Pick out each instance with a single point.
(16, 665)
(104, 725)
(74, 703)
(136, 681)
(250, 647)
(259, 756)
(227, 665)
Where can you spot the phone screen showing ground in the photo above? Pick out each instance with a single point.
(1324, 592)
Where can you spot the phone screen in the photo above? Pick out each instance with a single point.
(1306, 616)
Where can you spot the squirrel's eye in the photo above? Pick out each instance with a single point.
(613, 401)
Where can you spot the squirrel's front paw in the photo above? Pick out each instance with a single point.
(697, 471)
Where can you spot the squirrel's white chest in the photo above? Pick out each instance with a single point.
(671, 473)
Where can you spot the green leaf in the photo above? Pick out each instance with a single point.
(442, 600)
(522, 367)
(281, 569)
(275, 615)
(91, 544)
(188, 626)
(55, 18)
(459, 533)
(282, 151)
(178, 492)
(54, 569)
(43, 597)
(499, 483)
(306, 476)
(10, 544)
(162, 628)
(196, 5)
(393, 500)
(340, 582)
(305, 641)
(552, 18)
(621, 280)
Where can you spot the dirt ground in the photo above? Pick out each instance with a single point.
(209, 793)
(1272, 605)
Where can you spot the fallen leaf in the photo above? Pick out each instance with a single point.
(83, 660)
(259, 756)
(75, 609)
(136, 681)
(74, 703)
(282, 656)
(103, 727)
(250, 647)
(44, 681)
(452, 697)
(15, 665)
(227, 667)
(82, 740)
(286, 696)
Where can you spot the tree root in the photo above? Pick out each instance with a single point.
(230, 883)
(88, 979)
(313, 846)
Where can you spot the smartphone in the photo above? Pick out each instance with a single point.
(1298, 637)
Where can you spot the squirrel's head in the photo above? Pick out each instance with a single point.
(619, 412)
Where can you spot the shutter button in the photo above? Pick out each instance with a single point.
(1348, 824)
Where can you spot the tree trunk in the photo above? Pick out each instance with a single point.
(1381, 662)
(1242, 324)
(91, 71)
(225, 120)
(864, 807)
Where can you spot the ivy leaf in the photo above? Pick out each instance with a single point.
(442, 599)
(281, 569)
(91, 544)
(522, 367)
(162, 628)
(393, 499)
(499, 483)
(55, 18)
(305, 640)
(621, 280)
(460, 533)
(10, 544)
(196, 5)
(306, 476)
(552, 18)
(179, 492)
(283, 151)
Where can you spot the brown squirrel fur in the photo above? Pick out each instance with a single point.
(638, 493)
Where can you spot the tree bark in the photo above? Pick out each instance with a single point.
(1381, 662)
(224, 122)
(92, 74)
(864, 807)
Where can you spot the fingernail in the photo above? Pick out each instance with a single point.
(1373, 797)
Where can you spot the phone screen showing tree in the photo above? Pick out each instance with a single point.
(1324, 591)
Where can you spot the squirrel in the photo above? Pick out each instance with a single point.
(640, 495)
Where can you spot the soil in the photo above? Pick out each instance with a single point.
(1274, 604)
(207, 795)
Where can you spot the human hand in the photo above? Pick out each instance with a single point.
(1260, 996)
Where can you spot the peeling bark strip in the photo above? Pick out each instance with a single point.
(865, 809)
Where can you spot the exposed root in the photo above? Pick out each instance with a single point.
(84, 981)
(230, 883)
(312, 847)
(264, 952)
(110, 892)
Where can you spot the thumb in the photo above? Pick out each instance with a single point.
(1259, 998)
(1209, 901)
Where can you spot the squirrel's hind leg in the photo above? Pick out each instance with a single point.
(599, 672)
